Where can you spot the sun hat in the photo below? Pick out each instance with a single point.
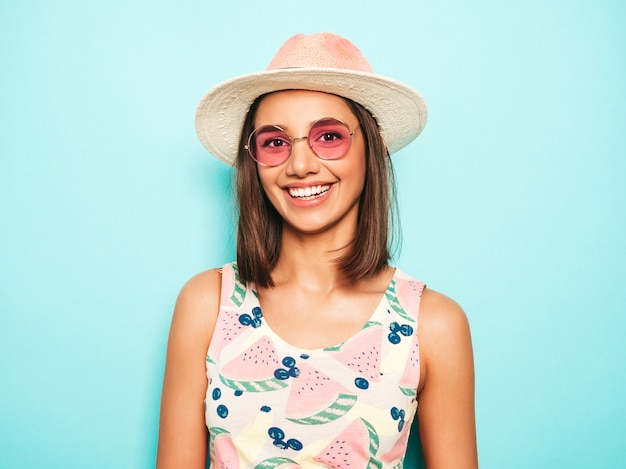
(318, 62)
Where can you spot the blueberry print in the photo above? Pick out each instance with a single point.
(276, 433)
(398, 414)
(254, 320)
(238, 392)
(278, 436)
(304, 356)
(294, 444)
(289, 372)
(265, 408)
(397, 331)
(281, 374)
(245, 319)
(222, 411)
(289, 362)
(361, 383)
(394, 338)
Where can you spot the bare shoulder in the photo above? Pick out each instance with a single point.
(440, 313)
(201, 289)
(198, 302)
(444, 335)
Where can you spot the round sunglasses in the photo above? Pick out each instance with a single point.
(328, 138)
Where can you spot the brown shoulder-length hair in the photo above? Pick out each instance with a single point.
(260, 225)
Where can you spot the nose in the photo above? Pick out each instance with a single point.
(302, 160)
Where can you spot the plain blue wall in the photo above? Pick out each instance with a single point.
(513, 201)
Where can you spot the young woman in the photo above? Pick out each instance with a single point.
(311, 350)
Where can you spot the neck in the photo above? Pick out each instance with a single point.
(311, 260)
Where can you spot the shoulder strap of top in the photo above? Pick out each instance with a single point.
(409, 293)
(228, 280)
(234, 290)
(231, 296)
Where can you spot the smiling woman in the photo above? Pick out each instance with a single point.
(312, 350)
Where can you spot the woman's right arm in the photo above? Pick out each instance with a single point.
(182, 432)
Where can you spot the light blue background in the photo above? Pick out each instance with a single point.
(513, 201)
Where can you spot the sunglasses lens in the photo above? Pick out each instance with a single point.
(330, 139)
(269, 145)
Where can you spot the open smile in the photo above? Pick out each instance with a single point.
(308, 193)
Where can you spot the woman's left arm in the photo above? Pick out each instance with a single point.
(446, 396)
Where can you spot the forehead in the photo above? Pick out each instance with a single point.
(298, 108)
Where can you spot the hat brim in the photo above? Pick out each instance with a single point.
(399, 110)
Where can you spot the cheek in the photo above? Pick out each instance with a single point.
(266, 180)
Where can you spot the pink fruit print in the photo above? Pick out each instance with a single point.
(355, 447)
(401, 288)
(253, 369)
(230, 327)
(411, 376)
(227, 329)
(223, 452)
(315, 398)
(397, 452)
(362, 355)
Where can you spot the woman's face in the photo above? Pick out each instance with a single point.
(311, 194)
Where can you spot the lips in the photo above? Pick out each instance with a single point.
(307, 193)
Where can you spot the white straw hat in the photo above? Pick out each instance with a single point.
(318, 62)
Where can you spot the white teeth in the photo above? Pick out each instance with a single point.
(308, 192)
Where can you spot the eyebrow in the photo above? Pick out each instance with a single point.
(310, 124)
(285, 127)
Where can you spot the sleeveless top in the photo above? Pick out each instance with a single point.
(270, 404)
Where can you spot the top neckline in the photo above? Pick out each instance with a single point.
(371, 320)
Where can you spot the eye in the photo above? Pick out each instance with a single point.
(328, 136)
(274, 142)
(329, 133)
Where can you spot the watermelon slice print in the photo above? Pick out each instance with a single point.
(395, 289)
(411, 376)
(226, 330)
(278, 462)
(315, 398)
(223, 452)
(362, 354)
(253, 370)
(355, 447)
